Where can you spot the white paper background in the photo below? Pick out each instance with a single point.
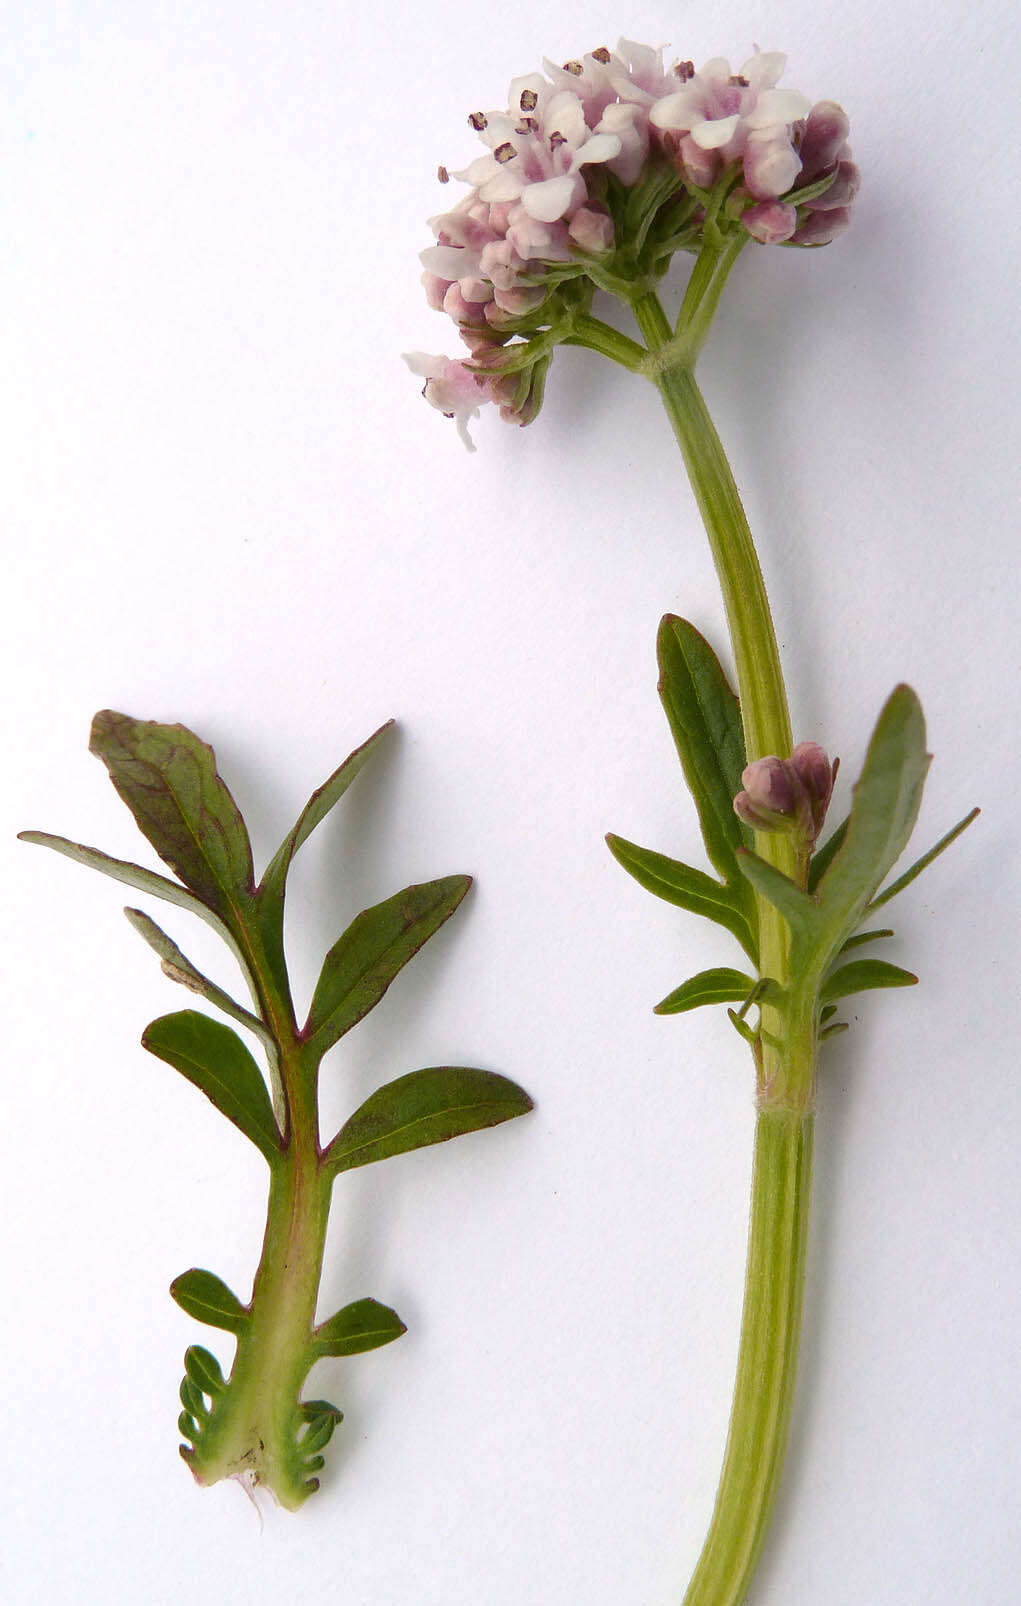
(226, 504)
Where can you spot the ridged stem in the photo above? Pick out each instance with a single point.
(767, 1360)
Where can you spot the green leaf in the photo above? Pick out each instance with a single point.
(800, 911)
(193, 1401)
(179, 968)
(708, 987)
(204, 1296)
(884, 811)
(863, 937)
(203, 1368)
(706, 723)
(689, 889)
(863, 974)
(363, 1325)
(271, 887)
(318, 1434)
(133, 875)
(376, 945)
(215, 1060)
(425, 1107)
(169, 781)
(822, 857)
(920, 864)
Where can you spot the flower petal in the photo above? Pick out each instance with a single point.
(548, 201)
(710, 134)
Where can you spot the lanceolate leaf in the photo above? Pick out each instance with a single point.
(920, 864)
(179, 968)
(799, 910)
(204, 1296)
(689, 889)
(708, 987)
(133, 875)
(863, 974)
(271, 887)
(425, 1107)
(169, 781)
(884, 811)
(376, 945)
(215, 1060)
(364, 1325)
(706, 724)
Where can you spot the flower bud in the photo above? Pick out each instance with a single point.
(826, 131)
(592, 230)
(789, 794)
(771, 222)
(819, 228)
(816, 774)
(841, 192)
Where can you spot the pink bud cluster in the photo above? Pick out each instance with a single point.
(787, 794)
(538, 195)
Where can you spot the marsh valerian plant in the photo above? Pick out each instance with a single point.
(598, 173)
(254, 1424)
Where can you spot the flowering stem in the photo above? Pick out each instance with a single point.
(787, 1041)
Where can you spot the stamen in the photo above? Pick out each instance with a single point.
(443, 175)
(556, 139)
(527, 125)
(737, 79)
(603, 55)
(574, 67)
(478, 121)
(505, 152)
(529, 100)
(684, 70)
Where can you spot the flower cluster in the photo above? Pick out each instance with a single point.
(595, 175)
(788, 794)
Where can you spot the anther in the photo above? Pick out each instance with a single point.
(574, 67)
(685, 70)
(443, 175)
(603, 55)
(478, 121)
(529, 100)
(505, 152)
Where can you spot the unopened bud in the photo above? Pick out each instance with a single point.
(789, 794)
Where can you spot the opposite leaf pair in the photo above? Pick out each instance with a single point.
(842, 878)
(255, 1424)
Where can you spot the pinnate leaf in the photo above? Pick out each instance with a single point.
(169, 781)
(861, 975)
(721, 986)
(215, 1060)
(376, 945)
(425, 1107)
(204, 1296)
(705, 719)
(363, 1325)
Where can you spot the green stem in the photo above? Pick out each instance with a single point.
(253, 1428)
(767, 1360)
(786, 1045)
